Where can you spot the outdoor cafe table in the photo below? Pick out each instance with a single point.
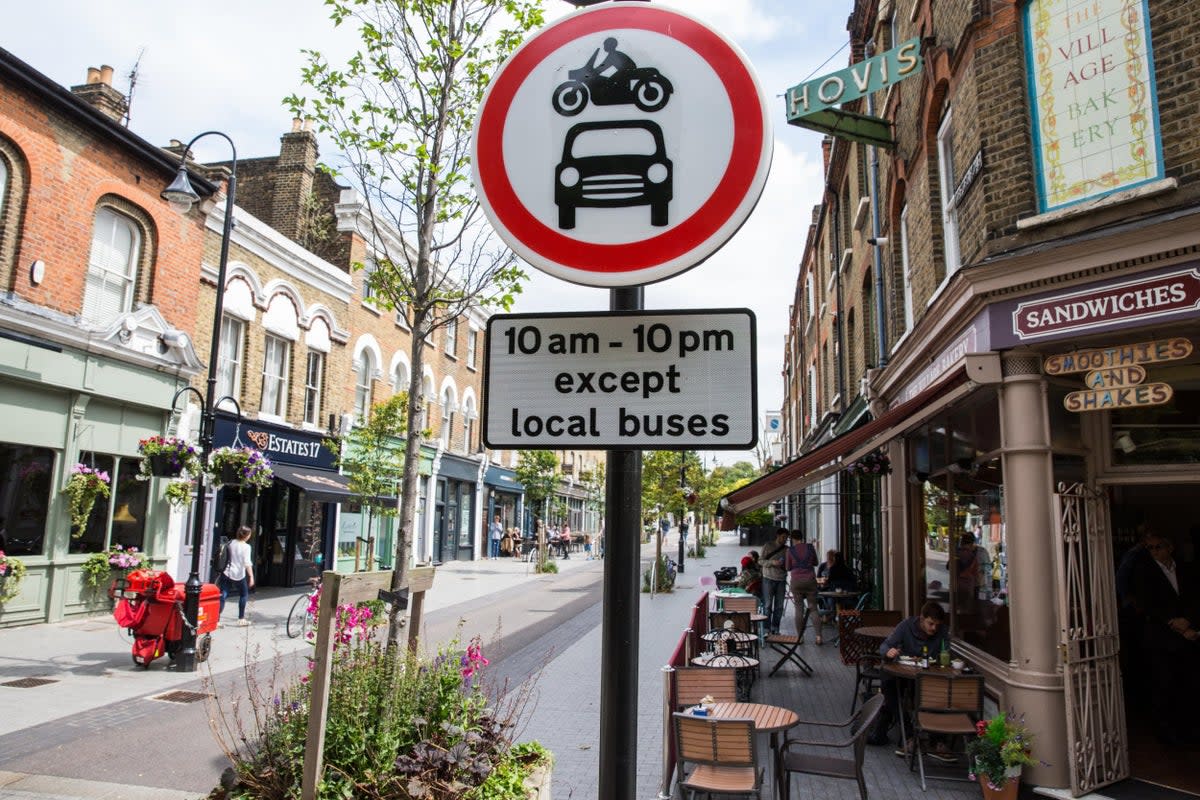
(908, 674)
(766, 718)
(743, 664)
(840, 599)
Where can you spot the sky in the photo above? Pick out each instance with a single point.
(227, 65)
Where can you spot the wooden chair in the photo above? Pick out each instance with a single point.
(724, 754)
(747, 603)
(786, 645)
(691, 684)
(867, 673)
(803, 760)
(946, 705)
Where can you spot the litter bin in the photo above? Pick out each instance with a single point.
(150, 608)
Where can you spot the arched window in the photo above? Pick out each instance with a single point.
(469, 417)
(400, 377)
(448, 409)
(362, 386)
(112, 267)
(3, 186)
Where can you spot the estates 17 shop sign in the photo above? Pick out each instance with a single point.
(622, 380)
(621, 145)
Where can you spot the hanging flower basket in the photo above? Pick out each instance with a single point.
(179, 493)
(12, 572)
(871, 464)
(244, 467)
(168, 457)
(83, 487)
(99, 568)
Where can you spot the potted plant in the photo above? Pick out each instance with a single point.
(167, 457)
(179, 493)
(240, 466)
(83, 487)
(873, 463)
(12, 572)
(99, 567)
(997, 755)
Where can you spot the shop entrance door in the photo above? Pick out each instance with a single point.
(1096, 741)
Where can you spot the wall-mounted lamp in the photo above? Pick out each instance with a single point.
(1124, 442)
(917, 477)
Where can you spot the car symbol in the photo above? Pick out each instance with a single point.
(613, 164)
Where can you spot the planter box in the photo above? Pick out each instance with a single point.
(537, 785)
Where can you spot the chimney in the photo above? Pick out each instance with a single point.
(294, 173)
(98, 92)
(826, 148)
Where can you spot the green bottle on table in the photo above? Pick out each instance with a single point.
(944, 656)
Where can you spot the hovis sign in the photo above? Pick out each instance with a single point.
(623, 380)
(621, 145)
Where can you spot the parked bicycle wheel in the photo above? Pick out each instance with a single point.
(298, 620)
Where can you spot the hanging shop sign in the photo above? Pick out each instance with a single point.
(639, 380)
(1115, 376)
(812, 104)
(280, 444)
(1107, 358)
(1091, 87)
(621, 145)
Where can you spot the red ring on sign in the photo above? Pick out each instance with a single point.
(722, 204)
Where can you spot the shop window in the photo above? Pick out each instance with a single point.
(25, 482)
(276, 361)
(229, 358)
(1166, 434)
(314, 377)
(121, 517)
(112, 267)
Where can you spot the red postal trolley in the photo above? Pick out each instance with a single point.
(150, 606)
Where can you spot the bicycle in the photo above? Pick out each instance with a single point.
(300, 618)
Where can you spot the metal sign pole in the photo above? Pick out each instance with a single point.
(619, 638)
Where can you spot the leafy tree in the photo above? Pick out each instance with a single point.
(400, 111)
(370, 456)
(537, 470)
(593, 482)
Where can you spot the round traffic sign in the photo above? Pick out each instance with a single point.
(621, 145)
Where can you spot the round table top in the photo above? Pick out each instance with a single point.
(911, 671)
(729, 593)
(835, 593)
(875, 631)
(767, 718)
(725, 660)
(728, 636)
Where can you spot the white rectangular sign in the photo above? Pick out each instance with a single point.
(640, 380)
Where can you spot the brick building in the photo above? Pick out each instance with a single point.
(1014, 328)
(98, 278)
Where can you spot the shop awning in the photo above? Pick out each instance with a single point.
(320, 484)
(963, 378)
(504, 480)
(458, 468)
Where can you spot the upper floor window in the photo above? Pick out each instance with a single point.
(448, 409)
(276, 358)
(947, 181)
(229, 359)
(362, 387)
(314, 377)
(906, 271)
(808, 294)
(112, 267)
(451, 339)
(368, 270)
(400, 377)
(3, 186)
(469, 417)
(402, 315)
(812, 397)
(472, 346)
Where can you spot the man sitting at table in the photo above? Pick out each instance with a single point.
(918, 636)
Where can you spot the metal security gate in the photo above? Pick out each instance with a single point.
(1096, 734)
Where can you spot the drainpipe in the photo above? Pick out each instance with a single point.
(873, 187)
(839, 327)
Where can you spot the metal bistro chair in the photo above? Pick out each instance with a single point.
(741, 623)
(724, 754)
(804, 761)
(692, 684)
(867, 665)
(946, 705)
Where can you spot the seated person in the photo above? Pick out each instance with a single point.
(917, 636)
(750, 578)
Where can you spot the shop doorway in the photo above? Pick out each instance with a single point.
(1165, 509)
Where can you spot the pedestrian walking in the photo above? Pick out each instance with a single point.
(495, 532)
(239, 572)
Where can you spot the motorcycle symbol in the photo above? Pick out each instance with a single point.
(614, 81)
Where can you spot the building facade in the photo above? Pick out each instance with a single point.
(1017, 312)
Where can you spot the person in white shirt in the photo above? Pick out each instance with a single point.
(239, 572)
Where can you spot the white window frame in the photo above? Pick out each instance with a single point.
(812, 397)
(3, 185)
(450, 338)
(809, 298)
(229, 358)
(906, 271)
(368, 294)
(362, 386)
(946, 180)
(110, 269)
(472, 346)
(277, 354)
(447, 418)
(400, 383)
(313, 384)
(468, 430)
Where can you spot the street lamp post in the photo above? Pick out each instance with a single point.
(182, 196)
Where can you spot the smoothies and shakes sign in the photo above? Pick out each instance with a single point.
(1091, 86)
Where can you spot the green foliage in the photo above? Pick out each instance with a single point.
(179, 493)
(537, 470)
(699, 551)
(372, 457)
(1001, 743)
(546, 567)
(12, 572)
(665, 581)
(98, 568)
(399, 726)
(759, 516)
(507, 779)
